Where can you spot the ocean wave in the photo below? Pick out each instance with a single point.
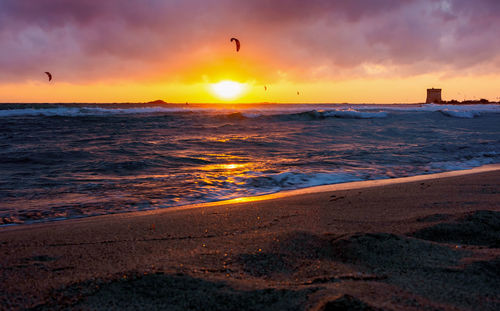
(341, 113)
(293, 112)
(494, 108)
(460, 114)
(84, 111)
(252, 115)
(43, 157)
(462, 165)
(124, 167)
(453, 111)
(477, 108)
(293, 180)
(461, 111)
(355, 114)
(235, 116)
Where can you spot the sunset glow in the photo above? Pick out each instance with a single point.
(380, 51)
(228, 89)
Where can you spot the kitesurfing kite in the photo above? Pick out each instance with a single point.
(49, 75)
(237, 43)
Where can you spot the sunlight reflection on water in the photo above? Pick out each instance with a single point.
(66, 164)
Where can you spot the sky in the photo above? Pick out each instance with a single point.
(292, 51)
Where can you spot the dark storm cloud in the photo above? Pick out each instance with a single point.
(86, 39)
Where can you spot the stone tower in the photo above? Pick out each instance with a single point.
(433, 96)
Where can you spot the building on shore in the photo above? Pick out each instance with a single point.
(433, 96)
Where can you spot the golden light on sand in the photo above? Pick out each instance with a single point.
(228, 89)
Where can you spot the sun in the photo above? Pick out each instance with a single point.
(228, 89)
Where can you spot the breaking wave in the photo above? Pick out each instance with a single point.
(295, 179)
(453, 111)
(323, 114)
(354, 114)
(300, 112)
(83, 111)
(460, 114)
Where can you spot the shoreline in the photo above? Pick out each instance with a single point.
(281, 194)
(414, 245)
(344, 186)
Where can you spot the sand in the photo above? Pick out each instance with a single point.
(425, 244)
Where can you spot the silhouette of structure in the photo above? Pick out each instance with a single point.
(433, 96)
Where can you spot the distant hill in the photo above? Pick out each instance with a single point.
(157, 102)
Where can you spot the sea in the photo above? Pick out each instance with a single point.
(60, 161)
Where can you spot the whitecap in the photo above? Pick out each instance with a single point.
(354, 114)
(460, 114)
(83, 111)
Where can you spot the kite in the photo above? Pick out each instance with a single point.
(237, 43)
(49, 75)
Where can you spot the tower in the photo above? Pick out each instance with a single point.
(433, 96)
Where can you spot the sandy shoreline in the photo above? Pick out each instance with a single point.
(429, 243)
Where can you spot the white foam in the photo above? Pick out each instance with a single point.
(495, 108)
(292, 180)
(478, 108)
(341, 111)
(360, 111)
(251, 115)
(460, 114)
(460, 165)
(354, 114)
(38, 112)
(454, 111)
(83, 111)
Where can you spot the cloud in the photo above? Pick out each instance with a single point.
(317, 39)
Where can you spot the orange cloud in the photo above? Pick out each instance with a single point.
(183, 45)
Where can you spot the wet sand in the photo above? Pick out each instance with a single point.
(428, 244)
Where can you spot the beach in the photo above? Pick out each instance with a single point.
(426, 244)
